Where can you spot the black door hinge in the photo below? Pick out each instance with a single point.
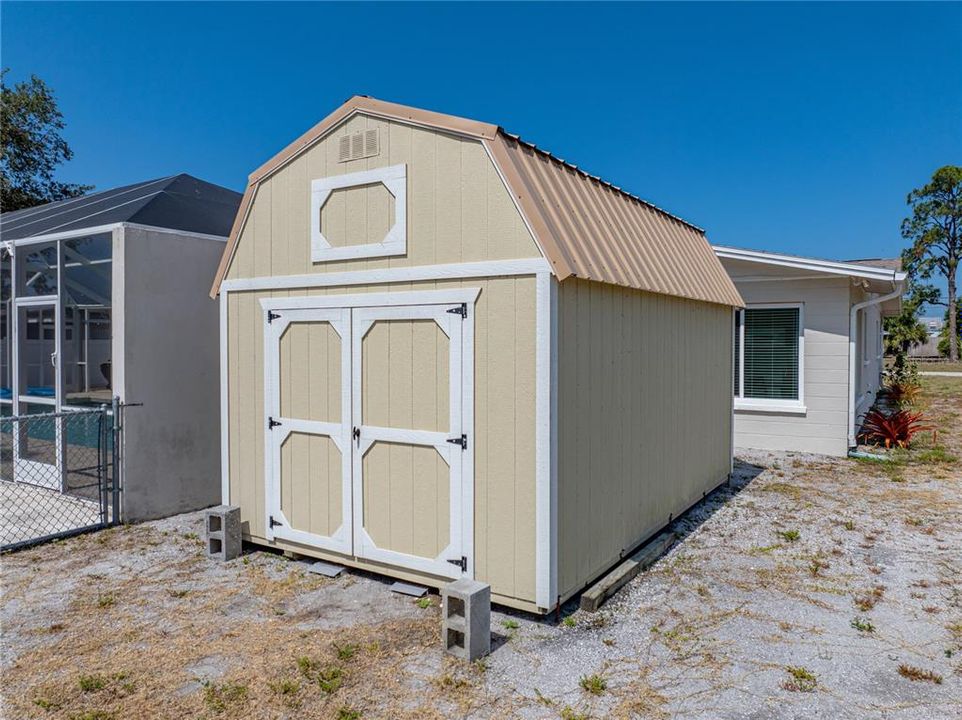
(272, 423)
(272, 316)
(461, 310)
(462, 441)
(274, 522)
(357, 436)
(461, 562)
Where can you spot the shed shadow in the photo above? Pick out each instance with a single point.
(743, 473)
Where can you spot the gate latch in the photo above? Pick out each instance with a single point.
(461, 310)
(272, 423)
(461, 562)
(462, 441)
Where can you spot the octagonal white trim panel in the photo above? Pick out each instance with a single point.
(394, 179)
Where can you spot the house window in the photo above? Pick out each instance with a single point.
(768, 354)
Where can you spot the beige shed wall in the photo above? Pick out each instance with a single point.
(644, 418)
(503, 446)
(823, 428)
(458, 209)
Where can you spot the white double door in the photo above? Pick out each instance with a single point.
(366, 435)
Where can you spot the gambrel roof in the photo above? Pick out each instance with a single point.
(585, 227)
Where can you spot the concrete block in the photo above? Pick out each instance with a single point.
(222, 532)
(466, 619)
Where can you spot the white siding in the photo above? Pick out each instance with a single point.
(823, 428)
(868, 355)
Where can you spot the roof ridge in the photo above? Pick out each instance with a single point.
(599, 179)
(13, 215)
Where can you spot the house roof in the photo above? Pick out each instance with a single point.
(178, 202)
(886, 263)
(585, 227)
(868, 269)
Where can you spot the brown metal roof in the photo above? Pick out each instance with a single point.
(584, 226)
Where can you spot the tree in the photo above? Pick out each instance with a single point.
(944, 336)
(32, 147)
(935, 230)
(905, 329)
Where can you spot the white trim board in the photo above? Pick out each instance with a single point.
(546, 471)
(796, 405)
(394, 180)
(416, 297)
(103, 229)
(224, 405)
(451, 271)
(830, 267)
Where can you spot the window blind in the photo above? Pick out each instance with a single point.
(738, 352)
(770, 364)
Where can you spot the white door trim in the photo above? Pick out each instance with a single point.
(275, 434)
(453, 325)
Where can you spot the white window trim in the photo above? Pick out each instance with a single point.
(394, 178)
(788, 407)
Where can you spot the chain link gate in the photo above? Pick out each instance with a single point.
(59, 474)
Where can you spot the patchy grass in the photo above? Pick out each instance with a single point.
(220, 697)
(510, 624)
(789, 535)
(285, 686)
(91, 683)
(345, 652)
(329, 679)
(107, 600)
(594, 684)
(570, 713)
(799, 679)
(917, 674)
(732, 592)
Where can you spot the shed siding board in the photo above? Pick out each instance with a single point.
(644, 417)
(504, 447)
(458, 207)
(824, 426)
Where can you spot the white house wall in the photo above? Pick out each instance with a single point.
(823, 426)
(163, 325)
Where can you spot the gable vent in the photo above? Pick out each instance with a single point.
(357, 145)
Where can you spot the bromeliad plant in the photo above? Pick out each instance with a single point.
(902, 394)
(895, 429)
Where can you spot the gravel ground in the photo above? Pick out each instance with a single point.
(808, 587)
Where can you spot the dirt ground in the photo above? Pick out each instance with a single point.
(809, 587)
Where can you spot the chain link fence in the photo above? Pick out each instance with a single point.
(58, 474)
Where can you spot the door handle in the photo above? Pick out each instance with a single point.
(53, 359)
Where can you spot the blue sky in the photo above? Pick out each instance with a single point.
(791, 127)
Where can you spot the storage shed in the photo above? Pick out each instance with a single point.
(446, 353)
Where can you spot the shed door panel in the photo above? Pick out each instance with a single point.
(407, 393)
(309, 405)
